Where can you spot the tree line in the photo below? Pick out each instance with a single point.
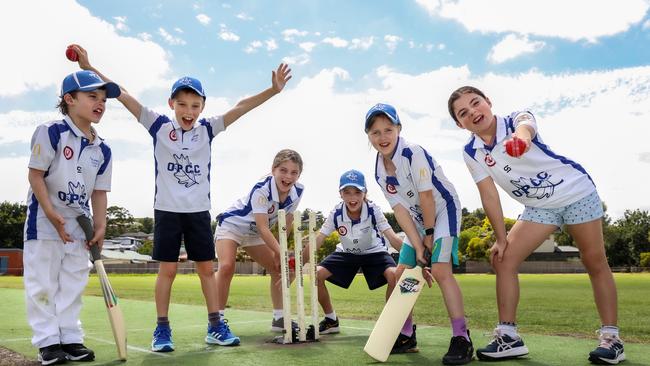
(627, 239)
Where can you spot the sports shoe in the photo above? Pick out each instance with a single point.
(162, 339)
(221, 335)
(328, 326)
(502, 347)
(78, 352)
(609, 351)
(51, 355)
(278, 325)
(405, 344)
(460, 351)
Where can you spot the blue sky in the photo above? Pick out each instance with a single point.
(580, 66)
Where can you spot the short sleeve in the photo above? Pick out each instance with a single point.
(475, 169)
(260, 202)
(422, 169)
(104, 175)
(328, 226)
(382, 223)
(43, 148)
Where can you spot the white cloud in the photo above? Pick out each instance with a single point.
(174, 41)
(335, 42)
(244, 16)
(178, 30)
(573, 20)
(512, 46)
(253, 46)
(271, 44)
(145, 36)
(307, 46)
(227, 35)
(120, 24)
(203, 19)
(646, 24)
(146, 65)
(301, 59)
(289, 35)
(391, 42)
(363, 43)
(441, 46)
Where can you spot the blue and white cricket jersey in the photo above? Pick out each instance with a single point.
(74, 168)
(418, 172)
(539, 178)
(182, 160)
(263, 198)
(358, 237)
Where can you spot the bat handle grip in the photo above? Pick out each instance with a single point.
(95, 252)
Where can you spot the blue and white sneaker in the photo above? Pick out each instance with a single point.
(162, 339)
(502, 347)
(609, 351)
(221, 335)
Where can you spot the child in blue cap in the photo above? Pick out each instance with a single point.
(69, 171)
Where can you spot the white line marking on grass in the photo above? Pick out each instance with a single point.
(15, 340)
(129, 347)
(201, 325)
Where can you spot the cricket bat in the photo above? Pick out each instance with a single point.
(110, 299)
(392, 318)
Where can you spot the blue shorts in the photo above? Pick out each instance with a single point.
(193, 228)
(344, 266)
(445, 250)
(586, 209)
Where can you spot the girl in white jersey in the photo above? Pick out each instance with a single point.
(363, 231)
(427, 209)
(556, 191)
(247, 225)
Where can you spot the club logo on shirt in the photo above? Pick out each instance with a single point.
(343, 231)
(409, 285)
(186, 172)
(68, 153)
(271, 209)
(489, 161)
(391, 188)
(75, 197)
(172, 135)
(539, 187)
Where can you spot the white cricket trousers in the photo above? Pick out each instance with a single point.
(55, 276)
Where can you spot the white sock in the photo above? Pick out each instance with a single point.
(609, 329)
(277, 314)
(222, 313)
(509, 330)
(331, 315)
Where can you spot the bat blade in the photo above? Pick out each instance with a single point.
(395, 312)
(115, 315)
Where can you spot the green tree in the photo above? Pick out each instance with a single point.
(12, 221)
(119, 220)
(470, 219)
(146, 248)
(629, 238)
(146, 224)
(465, 237)
(477, 248)
(329, 245)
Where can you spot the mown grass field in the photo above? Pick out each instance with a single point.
(557, 318)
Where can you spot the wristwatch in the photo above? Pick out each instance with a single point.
(428, 231)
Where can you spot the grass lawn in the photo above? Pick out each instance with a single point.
(551, 306)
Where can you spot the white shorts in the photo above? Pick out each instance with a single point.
(242, 240)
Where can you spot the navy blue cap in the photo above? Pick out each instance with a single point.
(187, 82)
(386, 109)
(85, 81)
(353, 178)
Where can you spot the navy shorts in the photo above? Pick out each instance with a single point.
(170, 228)
(344, 266)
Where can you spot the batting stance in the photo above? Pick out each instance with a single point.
(69, 168)
(363, 231)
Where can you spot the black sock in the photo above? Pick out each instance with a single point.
(163, 321)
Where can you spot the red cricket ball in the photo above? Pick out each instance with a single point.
(71, 54)
(292, 263)
(515, 147)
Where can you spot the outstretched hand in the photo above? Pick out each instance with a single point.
(280, 77)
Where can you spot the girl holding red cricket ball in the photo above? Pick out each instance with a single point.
(555, 191)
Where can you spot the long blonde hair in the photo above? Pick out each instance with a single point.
(287, 155)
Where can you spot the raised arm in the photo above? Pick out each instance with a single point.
(278, 81)
(125, 98)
